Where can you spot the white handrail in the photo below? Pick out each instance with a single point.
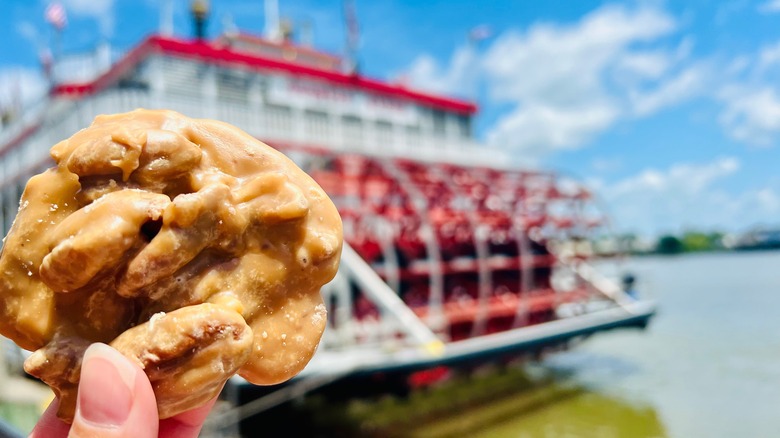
(602, 284)
(388, 301)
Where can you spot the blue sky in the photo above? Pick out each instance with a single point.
(670, 110)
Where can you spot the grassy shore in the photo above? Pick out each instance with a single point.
(489, 396)
(21, 417)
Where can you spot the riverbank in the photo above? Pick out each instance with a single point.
(20, 416)
(488, 402)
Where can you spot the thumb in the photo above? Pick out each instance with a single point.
(115, 398)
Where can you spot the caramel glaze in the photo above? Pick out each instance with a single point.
(188, 245)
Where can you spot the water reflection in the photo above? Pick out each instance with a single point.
(559, 405)
(583, 414)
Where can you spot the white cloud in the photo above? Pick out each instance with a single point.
(661, 200)
(757, 206)
(684, 178)
(567, 83)
(100, 10)
(561, 64)
(767, 199)
(686, 84)
(643, 65)
(737, 66)
(751, 115)
(769, 7)
(769, 56)
(572, 82)
(749, 93)
(537, 127)
(459, 78)
(564, 84)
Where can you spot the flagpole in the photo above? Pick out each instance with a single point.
(352, 36)
(57, 44)
(166, 18)
(56, 49)
(55, 15)
(475, 36)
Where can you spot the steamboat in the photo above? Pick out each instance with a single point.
(454, 255)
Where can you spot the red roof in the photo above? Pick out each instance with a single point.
(217, 54)
(260, 42)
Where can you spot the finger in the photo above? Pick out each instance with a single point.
(115, 398)
(186, 424)
(49, 426)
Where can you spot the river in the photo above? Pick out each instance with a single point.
(707, 366)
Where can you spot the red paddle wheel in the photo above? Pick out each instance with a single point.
(469, 246)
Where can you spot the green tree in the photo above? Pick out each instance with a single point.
(669, 245)
(695, 241)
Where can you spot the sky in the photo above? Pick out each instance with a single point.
(668, 110)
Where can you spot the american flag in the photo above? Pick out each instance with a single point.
(55, 15)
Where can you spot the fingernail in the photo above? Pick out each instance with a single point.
(106, 389)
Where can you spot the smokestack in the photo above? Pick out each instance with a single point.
(200, 14)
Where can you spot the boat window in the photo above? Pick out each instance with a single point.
(279, 119)
(353, 132)
(136, 79)
(464, 125)
(316, 124)
(412, 135)
(183, 77)
(232, 85)
(439, 127)
(384, 132)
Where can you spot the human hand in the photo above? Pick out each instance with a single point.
(116, 400)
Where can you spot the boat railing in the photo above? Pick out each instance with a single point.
(30, 115)
(72, 68)
(576, 260)
(52, 120)
(84, 67)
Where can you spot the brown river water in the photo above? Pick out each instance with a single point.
(707, 366)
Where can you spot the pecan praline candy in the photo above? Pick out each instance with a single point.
(189, 246)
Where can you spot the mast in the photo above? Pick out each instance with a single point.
(166, 18)
(352, 36)
(272, 19)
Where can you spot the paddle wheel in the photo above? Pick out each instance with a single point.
(470, 250)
